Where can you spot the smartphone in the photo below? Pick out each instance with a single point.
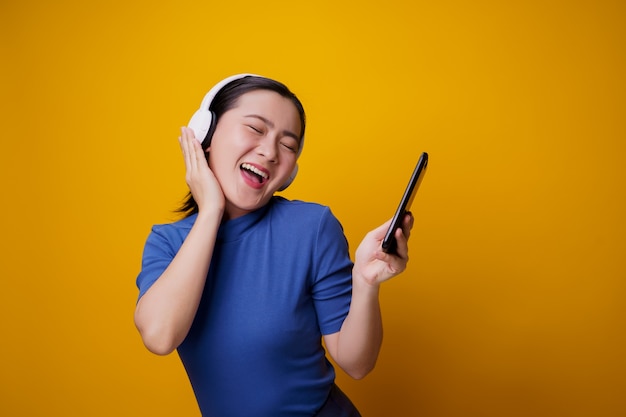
(389, 242)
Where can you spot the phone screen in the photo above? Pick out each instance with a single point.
(389, 242)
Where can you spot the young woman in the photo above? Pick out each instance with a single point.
(248, 284)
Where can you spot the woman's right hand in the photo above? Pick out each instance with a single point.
(165, 313)
(202, 183)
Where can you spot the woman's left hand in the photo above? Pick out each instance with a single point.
(372, 265)
(356, 346)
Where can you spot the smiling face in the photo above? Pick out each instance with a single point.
(254, 150)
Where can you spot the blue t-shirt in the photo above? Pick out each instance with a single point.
(280, 278)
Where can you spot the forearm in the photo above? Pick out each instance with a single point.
(361, 334)
(164, 314)
(356, 346)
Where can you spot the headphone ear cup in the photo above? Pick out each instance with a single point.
(202, 123)
(290, 179)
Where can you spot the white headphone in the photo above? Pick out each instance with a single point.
(203, 121)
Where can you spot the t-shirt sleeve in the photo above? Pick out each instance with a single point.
(157, 255)
(332, 286)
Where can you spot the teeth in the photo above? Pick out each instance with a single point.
(255, 170)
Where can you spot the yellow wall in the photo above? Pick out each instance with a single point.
(514, 300)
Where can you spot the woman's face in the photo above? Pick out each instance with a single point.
(254, 150)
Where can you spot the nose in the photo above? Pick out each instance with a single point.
(268, 147)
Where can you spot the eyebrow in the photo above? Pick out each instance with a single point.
(271, 124)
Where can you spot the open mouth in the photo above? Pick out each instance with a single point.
(254, 173)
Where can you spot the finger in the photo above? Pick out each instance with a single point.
(380, 231)
(402, 245)
(190, 151)
(195, 150)
(184, 146)
(396, 262)
(407, 224)
(198, 152)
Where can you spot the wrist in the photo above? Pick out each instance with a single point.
(362, 285)
(211, 214)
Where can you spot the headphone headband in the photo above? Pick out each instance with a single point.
(208, 98)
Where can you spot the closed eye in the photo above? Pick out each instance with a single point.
(293, 147)
(255, 129)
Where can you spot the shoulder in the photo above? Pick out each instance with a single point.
(177, 226)
(173, 233)
(301, 212)
(301, 219)
(281, 204)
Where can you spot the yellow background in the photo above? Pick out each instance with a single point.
(513, 303)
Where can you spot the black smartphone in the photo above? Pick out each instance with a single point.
(389, 243)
